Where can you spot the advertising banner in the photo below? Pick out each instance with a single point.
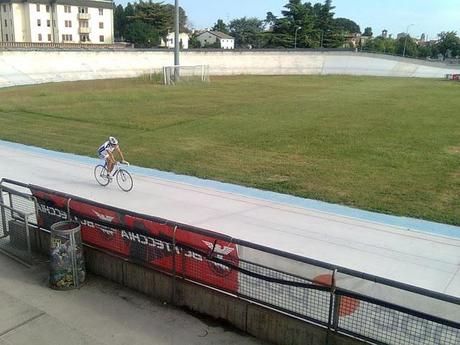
(144, 240)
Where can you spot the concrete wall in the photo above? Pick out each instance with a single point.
(30, 67)
(253, 319)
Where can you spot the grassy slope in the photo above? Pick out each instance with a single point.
(391, 145)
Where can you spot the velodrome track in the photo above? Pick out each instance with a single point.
(414, 252)
(23, 67)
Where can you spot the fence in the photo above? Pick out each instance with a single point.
(17, 213)
(38, 45)
(366, 307)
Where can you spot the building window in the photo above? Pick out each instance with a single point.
(39, 22)
(101, 11)
(6, 36)
(49, 37)
(48, 8)
(84, 24)
(84, 38)
(6, 23)
(68, 23)
(67, 9)
(101, 38)
(48, 23)
(4, 8)
(40, 37)
(38, 7)
(101, 25)
(83, 10)
(66, 38)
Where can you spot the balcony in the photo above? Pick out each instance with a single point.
(82, 30)
(84, 16)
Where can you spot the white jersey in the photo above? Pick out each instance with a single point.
(105, 148)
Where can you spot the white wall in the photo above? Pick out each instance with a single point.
(106, 31)
(227, 43)
(43, 16)
(29, 67)
(8, 27)
(25, 28)
(21, 19)
(183, 37)
(61, 17)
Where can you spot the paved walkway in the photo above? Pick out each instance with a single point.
(418, 253)
(100, 313)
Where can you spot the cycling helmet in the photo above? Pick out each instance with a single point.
(113, 141)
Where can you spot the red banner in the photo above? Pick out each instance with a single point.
(145, 240)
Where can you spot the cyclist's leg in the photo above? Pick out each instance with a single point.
(110, 164)
(106, 157)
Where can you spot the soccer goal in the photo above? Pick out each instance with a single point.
(185, 74)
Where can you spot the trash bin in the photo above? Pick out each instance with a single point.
(67, 264)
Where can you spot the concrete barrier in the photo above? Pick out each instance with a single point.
(260, 322)
(19, 67)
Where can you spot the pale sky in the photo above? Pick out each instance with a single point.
(428, 16)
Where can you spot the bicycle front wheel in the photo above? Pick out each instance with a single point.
(124, 180)
(100, 173)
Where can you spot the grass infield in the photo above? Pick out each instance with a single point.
(382, 144)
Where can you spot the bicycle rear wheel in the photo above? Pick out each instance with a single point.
(100, 173)
(124, 180)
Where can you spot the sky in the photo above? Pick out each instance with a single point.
(428, 16)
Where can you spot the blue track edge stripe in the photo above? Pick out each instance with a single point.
(413, 224)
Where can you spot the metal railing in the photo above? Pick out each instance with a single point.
(373, 309)
(15, 237)
(63, 46)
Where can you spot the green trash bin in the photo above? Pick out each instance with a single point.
(67, 264)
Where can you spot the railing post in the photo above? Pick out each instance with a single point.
(173, 290)
(29, 247)
(3, 211)
(331, 307)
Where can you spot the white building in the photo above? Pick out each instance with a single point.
(183, 40)
(56, 21)
(211, 37)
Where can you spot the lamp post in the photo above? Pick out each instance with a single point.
(405, 41)
(176, 34)
(295, 36)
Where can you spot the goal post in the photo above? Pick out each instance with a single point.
(185, 74)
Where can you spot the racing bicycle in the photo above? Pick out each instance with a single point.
(123, 177)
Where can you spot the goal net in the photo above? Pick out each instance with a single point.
(185, 74)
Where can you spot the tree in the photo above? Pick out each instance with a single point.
(406, 46)
(246, 31)
(449, 44)
(144, 23)
(381, 45)
(270, 20)
(220, 26)
(347, 25)
(194, 42)
(426, 51)
(142, 34)
(368, 32)
(316, 23)
(119, 21)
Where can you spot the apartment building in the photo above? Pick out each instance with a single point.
(56, 21)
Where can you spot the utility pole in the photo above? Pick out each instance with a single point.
(176, 35)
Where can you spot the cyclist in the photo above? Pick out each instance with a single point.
(105, 151)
